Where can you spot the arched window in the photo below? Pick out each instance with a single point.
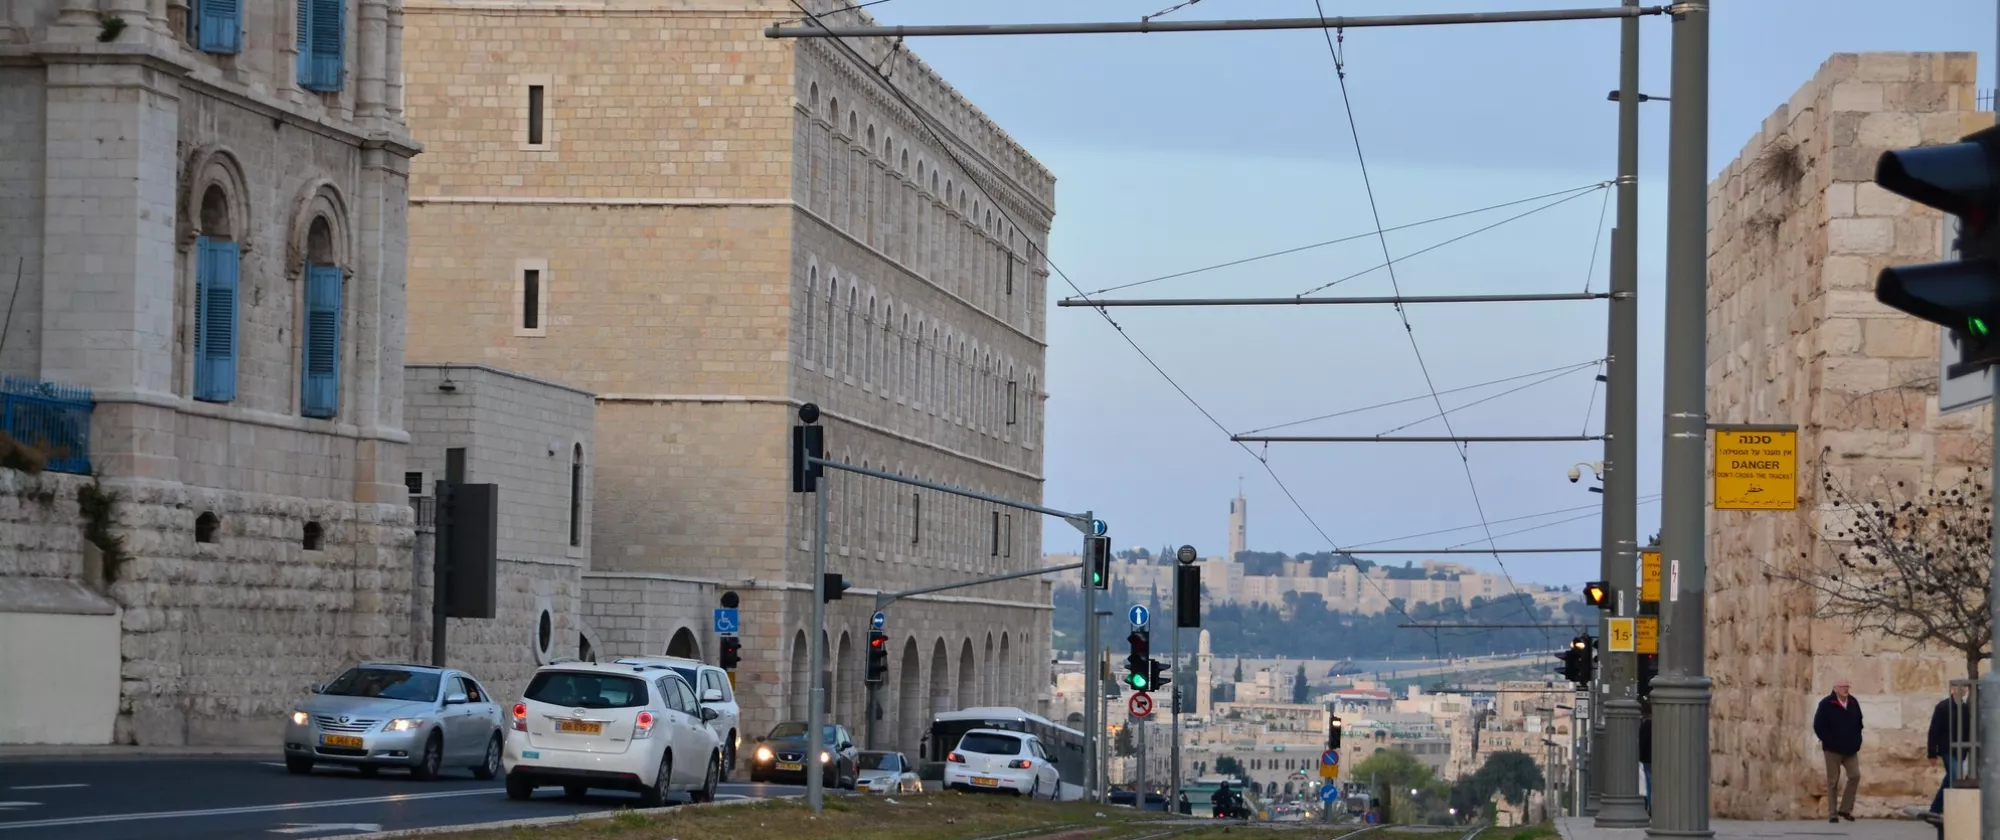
(868, 372)
(903, 360)
(812, 99)
(847, 347)
(917, 366)
(319, 379)
(812, 309)
(576, 496)
(217, 260)
(937, 388)
(886, 362)
(832, 303)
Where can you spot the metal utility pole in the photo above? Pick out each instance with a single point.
(1139, 776)
(1615, 747)
(1989, 685)
(816, 704)
(1093, 689)
(1681, 694)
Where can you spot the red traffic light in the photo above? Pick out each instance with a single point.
(878, 642)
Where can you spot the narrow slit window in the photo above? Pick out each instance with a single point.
(995, 552)
(916, 518)
(531, 298)
(535, 97)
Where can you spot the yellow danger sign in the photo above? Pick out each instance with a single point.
(1756, 469)
(1620, 640)
(1649, 634)
(1649, 577)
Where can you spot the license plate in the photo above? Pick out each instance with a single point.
(790, 767)
(340, 741)
(530, 754)
(580, 727)
(983, 781)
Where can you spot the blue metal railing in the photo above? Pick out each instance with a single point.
(49, 418)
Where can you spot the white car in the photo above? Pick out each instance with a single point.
(711, 686)
(618, 727)
(997, 759)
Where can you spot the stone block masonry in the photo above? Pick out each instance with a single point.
(1798, 233)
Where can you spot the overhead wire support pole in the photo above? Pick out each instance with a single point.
(1392, 300)
(1413, 439)
(1147, 26)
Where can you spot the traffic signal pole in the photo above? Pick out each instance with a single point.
(1613, 747)
(1681, 695)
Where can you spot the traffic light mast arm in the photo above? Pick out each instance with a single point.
(884, 599)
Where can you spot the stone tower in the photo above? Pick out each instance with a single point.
(1239, 524)
(1204, 677)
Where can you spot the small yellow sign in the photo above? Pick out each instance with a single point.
(1648, 634)
(1756, 470)
(1620, 640)
(1649, 577)
(1329, 771)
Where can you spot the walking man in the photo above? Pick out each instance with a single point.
(1950, 721)
(1838, 726)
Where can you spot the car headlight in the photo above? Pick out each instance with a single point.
(763, 753)
(824, 757)
(299, 718)
(403, 724)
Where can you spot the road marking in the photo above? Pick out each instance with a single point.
(250, 809)
(9, 806)
(47, 787)
(321, 828)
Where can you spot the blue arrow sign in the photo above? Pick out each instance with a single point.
(1328, 793)
(1139, 615)
(726, 622)
(1098, 528)
(878, 621)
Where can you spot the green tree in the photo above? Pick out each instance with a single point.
(1229, 766)
(1510, 773)
(1301, 690)
(1123, 746)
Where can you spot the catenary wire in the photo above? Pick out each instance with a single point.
(930, 126)
(1590, 405)
(1392, 403)
(1236, 262)
(1375, 211)
(1524, 518)
(847, 8)
(1596, 242)
(1170, 10)
(1454, 240)
(1485, 399)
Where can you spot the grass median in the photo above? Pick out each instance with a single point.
(937, 816)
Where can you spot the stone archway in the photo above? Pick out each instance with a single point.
(940, 682)
(909, 698)
(968, 678)
(684, 645)
(798, 682)
(846, 686)
(1004, 669)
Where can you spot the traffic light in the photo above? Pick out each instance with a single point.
(1097, 558)
(1597, 593)
(1649, 667)
(1156, 674)
(1187, 596)
(878, 655)
(1578, 665)
(1963, 295)
(1333, 733)
(1138, 664)
(732, 653)
(836, 584)
(807, 441)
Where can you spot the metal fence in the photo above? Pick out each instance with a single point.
(1962, 736)
(51, 419)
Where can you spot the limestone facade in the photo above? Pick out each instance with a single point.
(217, 252)
(707, 228)
(1798, 232)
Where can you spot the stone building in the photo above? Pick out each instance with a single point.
(532, 439)
(708, 228)
(1798, 232)
(206, 210)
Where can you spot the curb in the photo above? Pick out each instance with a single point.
(60, 752)
(548, 822)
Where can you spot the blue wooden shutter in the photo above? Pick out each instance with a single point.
(320, 377)
(221, 26)
(325, 44)
(304, 43)
(215, 350)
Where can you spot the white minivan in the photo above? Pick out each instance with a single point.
(586, 726)
(711, 686)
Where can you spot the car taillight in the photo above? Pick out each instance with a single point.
(520, 717)
(643, 727)
(955, 758)
(1020, 764)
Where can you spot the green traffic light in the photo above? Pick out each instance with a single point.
(1976, 326)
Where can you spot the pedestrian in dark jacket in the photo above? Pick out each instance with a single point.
(1646, 748)
(1943, 729)
(1838, 726)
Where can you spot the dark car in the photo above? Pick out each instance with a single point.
(781, 756)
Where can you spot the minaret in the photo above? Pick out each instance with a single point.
(1239, 525)
(1204, 678)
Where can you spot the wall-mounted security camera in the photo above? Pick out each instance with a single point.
(1575, 475)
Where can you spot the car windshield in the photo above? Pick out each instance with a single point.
(881, 761)
(585, 690)
(386, 683)
(990, 744)
(689, 674)
(795, 731)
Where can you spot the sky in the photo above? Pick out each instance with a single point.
(1179, 151)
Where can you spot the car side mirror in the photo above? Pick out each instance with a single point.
(845, 746)
(317, 688)
(709, 715)
(455, 698)
(713, 695)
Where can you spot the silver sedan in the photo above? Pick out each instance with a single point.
(415, 717)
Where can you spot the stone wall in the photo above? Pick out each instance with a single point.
(1798, 232)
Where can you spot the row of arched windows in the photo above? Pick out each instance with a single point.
(928, 365)
(918, 213)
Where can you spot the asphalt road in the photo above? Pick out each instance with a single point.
(208, 798)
